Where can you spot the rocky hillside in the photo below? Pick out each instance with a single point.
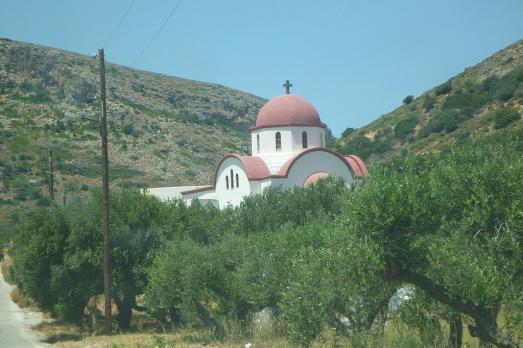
(484, 100)
(162, 130)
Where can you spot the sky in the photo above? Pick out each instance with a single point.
(354, 60)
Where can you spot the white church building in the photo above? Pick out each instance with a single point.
(287, 149)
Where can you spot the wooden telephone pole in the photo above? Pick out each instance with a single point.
(105, 184)
(51, 175)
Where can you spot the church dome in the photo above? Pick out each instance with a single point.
(288, 110)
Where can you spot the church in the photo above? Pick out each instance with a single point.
(287, 149)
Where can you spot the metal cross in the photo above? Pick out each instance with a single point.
(287, 85)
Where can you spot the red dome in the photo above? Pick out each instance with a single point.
(288, 110)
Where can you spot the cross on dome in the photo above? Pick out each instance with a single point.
(287, 86)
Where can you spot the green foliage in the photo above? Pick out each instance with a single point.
(7, 85)
(43, 202)
(40, 245)
(444, 88)
(34, 93)
(128, 129)
(161, 153)
(465, 102)
(408, 99)
(363, 147)
(347, 131)
(445, 121)
(428, 102)
(64, 246)
(504, 88)
(311, 254)
(18, 144)
(405, 127)
(506, 116)
(423, 210)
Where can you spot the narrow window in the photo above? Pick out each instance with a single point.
(258, 143)
(321, 140)
(232, 180)
(237, 181)
(278, 141)
(304, 139)
(227, 182)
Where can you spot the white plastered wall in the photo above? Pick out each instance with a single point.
(314, 162)
(291, 139)
(291, 144)
(235, 193)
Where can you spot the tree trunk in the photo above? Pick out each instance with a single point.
(486, 328)
(209, 320)
(125, 313)
(456, 331)
(174, 315)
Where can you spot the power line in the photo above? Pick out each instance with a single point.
(119, 24)
(157, 32)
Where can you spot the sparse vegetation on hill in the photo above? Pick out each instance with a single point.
(483, 100)
(47, 97)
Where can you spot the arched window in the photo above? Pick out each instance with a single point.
(232, 180)
(237, 181)
(304, 139)
(227, 182)
(257, 143)
(278, 141)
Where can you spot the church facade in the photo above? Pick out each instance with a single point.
(287, 149)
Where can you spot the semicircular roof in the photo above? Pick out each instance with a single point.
(354, 163)
(288, 110)
(314, 178)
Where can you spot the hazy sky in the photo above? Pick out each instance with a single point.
(354, 60)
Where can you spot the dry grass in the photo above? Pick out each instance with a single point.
(21, 299)
(24, 301)
(5, 265)
(67, 336)
(58, 331)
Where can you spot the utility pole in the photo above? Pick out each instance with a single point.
(105, 184)
(64, 198)
(51, 175)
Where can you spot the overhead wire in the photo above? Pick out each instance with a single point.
(157, 32)
(119, 24)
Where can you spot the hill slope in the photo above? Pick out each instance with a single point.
(484, 100)
(162, 130)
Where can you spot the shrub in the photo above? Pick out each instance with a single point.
(363, 147)
(405, 127)
(347, 131)
(21, 195)
(466, 102)
(505, 87)
(428, 103)
(43, 202)
(59, 127)
(446, 120)
(83, 91)
(505, 116)
(35, 93)
(408, 99)
(444, 88)
(128, 129)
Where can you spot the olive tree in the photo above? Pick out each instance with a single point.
(450, 224)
